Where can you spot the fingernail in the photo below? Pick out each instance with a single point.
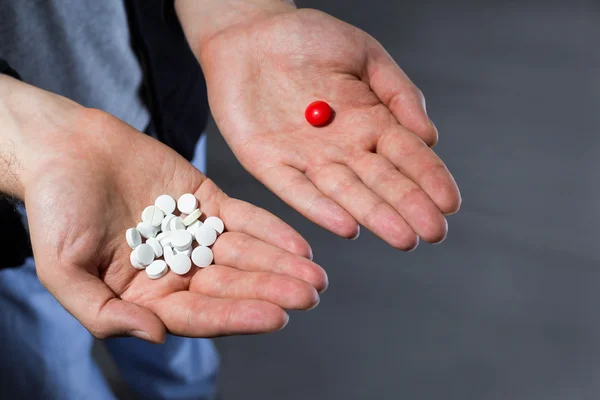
(310, 254)
(141, 335)
(316, 304)
(326, 285)
(357, 234)
(416, 245)
(287, 320)
(445, 236)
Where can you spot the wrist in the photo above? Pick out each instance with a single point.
(202, 20)
(30, 120)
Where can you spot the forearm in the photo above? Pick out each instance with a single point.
(203, 19)
(29, 117)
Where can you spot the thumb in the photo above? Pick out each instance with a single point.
(96, 307)
(399, 94)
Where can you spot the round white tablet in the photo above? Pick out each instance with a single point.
(156, 246)
(157, 269)
(180, 264)
(202, 256)
(165, 225)
(192, 228)
(164, 238)
(144, 254)
(168, 254)
(134, 239)
(181, 240)
(176, 224)
(187, 203)
(153, 215)
(147, 230)
(205, 235)
(134, 262)
(192, 217)
(187, 252)
(166, 203)
(216, 223)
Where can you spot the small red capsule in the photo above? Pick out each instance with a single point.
(318, 113)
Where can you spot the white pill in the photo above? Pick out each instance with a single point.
(168, 254)
(157, 269)
(176, 224)
(153, 215)
(202, 256)
(165, 225)
(147, 230)
(192, 217)
(181, 240)
(187, 252)
(134, 262)
(205, 235)
(192, 228)
(187, 203)
(216, 223)
(134, 239)
(144, 254)
(156, 246)
(166, 203)
(164, 238)
(180, 264)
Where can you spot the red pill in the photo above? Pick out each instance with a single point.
(318, 113)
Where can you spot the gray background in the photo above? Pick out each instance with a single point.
(506, 307)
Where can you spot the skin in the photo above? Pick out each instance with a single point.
(372, 165)
(85, 176)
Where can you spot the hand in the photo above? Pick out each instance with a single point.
(91, 181)
(372, 164)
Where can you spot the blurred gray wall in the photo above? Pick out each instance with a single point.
(507, 307)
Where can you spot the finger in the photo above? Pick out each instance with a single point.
(399, 94)
(246, 253)
(195, 315)
(240, 216)
(403, 195)
(293, 187)
(96, 307)
(421, 165)
(283, 291)
(344, 186)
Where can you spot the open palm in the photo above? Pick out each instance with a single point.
(372, 164)
(93, 186)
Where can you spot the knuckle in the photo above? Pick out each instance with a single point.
(383, 176)
(432, 169)
(227, 317)
(413, 195)
(342, 185)
(370, 216)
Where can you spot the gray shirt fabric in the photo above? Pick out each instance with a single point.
(77, 48)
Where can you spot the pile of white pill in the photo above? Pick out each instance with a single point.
(172, 237)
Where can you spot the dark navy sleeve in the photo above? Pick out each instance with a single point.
(7, 70)
(170, 16)
(18, 240)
